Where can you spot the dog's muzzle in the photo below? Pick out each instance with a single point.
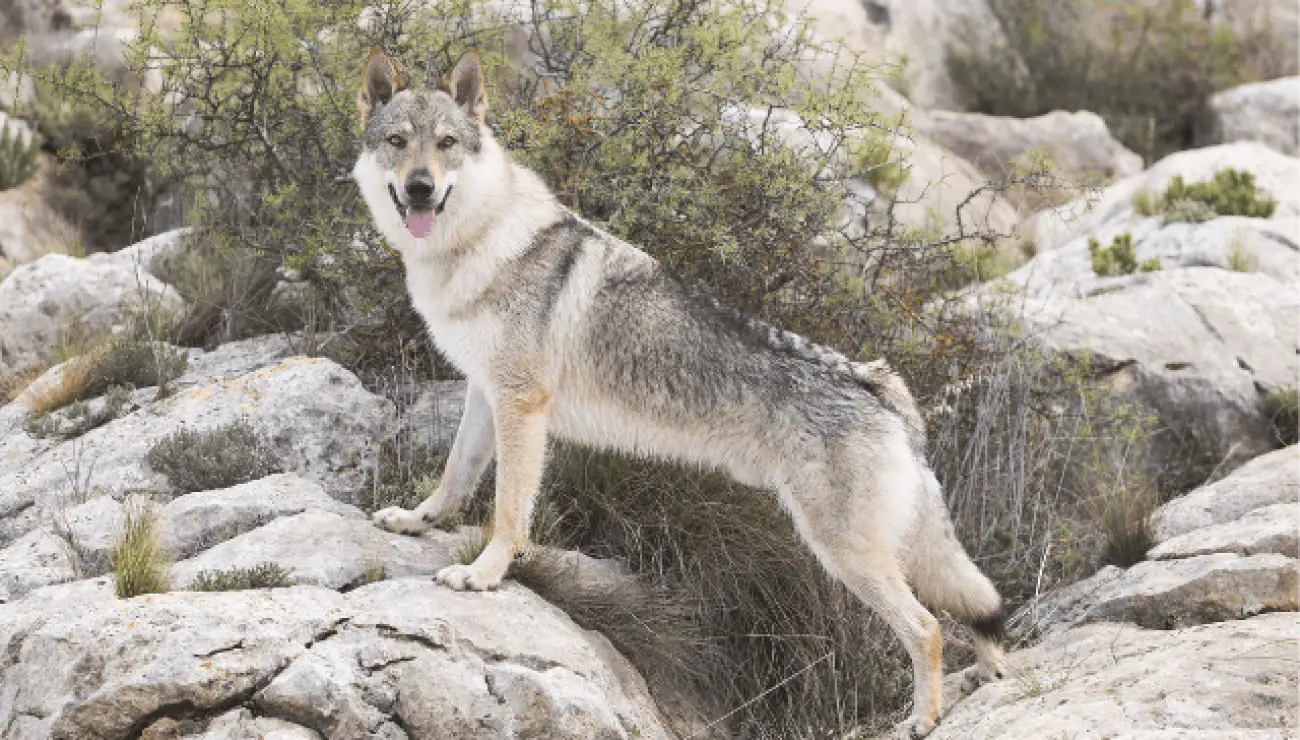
(401, 209)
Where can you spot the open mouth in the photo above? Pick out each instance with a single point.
(419, 216)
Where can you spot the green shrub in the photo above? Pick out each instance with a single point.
(1150, 75)
(1119, 258)
(1187, 211)
(1231, 193)
(211, 459)
(80, 417)
(19, 158)
(263, 575)
(139, 563)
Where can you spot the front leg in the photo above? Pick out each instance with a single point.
(521, 457)
(470, 454)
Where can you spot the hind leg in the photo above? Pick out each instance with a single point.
(945, 578)
(850, 532)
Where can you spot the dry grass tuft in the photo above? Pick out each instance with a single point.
(139, 563)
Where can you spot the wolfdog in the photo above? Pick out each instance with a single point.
(564, 330)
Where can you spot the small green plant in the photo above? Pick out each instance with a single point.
(139, 563)
(1120, 258)
(18, 158)
(1117, 259)
(1282, 409)
(211, 459)
(1124, 517)
(262, 575)
(880, 162)
(374, 571)
(1231, 193)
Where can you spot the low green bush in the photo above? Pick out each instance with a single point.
(262, 575)
(215, 458)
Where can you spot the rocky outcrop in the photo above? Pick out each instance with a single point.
(46, 302)
(1202, 337)
(315, 417)
(1078, 144)
(396, 659)
(1112, 211)
(1224, 680)
(1267, 481)
(1131, 653)
(1266, 112)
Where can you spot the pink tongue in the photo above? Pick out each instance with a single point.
(419, 223)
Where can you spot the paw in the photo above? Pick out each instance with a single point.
(401, 521)
(915, 726)
(471, 577)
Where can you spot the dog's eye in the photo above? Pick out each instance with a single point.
(397, 141)
(447, 142)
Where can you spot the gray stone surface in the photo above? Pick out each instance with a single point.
(326, 549)
(1226, 681)
(398, 659)
(197, 521)
(1267, 529)
(1266, 112)
(317, 418)
(1167, 594)
(1078, 143)
(1267, 480)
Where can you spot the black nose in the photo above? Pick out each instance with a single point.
(419, 186)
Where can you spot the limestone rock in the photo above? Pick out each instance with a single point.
(44, 300)
(1226, 680)
(1275, 173)
(1078, 143)
(1260, 111)
(326, 549)
(397, 659)
(316, 417)
(198, 521)
(1165, 594)
(1267, 529)
(1265, 481)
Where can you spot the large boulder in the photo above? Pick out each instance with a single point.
(1267, 112)
(402, 659)
(913, 34)
(58, 296)
(1196, 344)
(1079, 144)
(315, 417)
(1226, 680)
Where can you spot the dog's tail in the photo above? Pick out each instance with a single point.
(945, 578)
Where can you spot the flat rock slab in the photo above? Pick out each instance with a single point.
(1273, 529)
(1228, 680)
(1269, 479)
(1164, 594)
(326, 549)
(403, 659)
(195, 522)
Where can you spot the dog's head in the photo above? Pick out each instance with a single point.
(421, 140)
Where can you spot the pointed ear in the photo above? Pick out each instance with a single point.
(381, 82)
(467, 87)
